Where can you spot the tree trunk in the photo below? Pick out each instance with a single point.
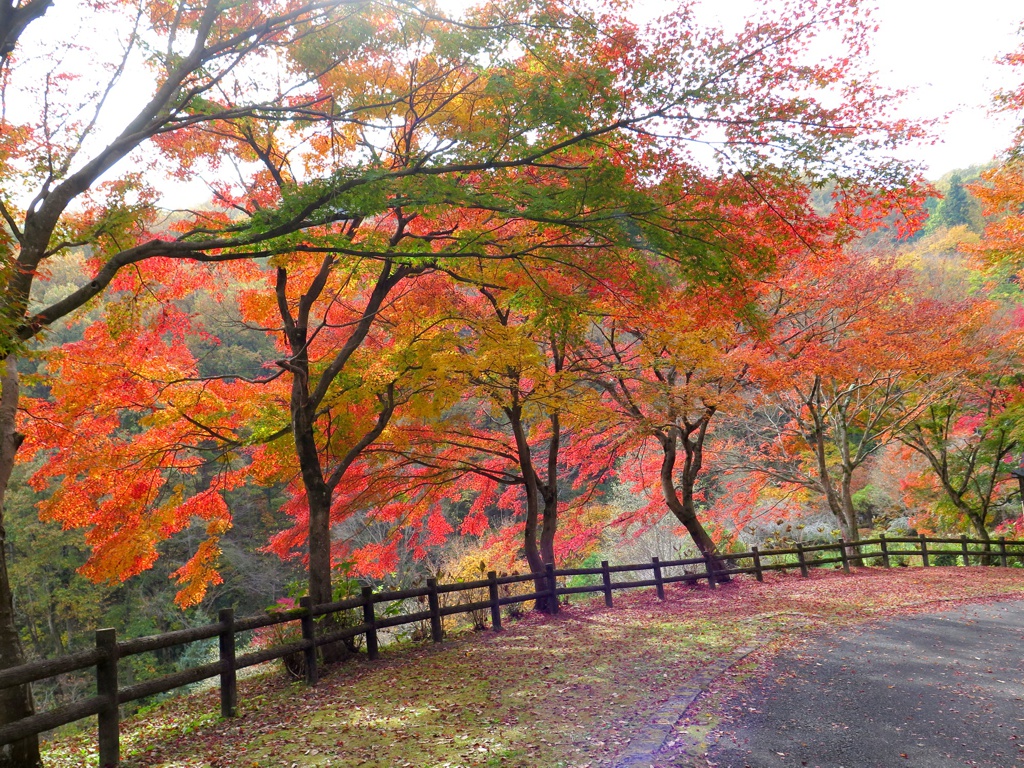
(320, 587)
(318, 496)
(531, 548)
(549, 521)
(15, 703)
(978, 522)
(549, 524)
(318, 499)
(683, 508)
(834, 500)
(816, 439)
(850, 515)
(848, 511)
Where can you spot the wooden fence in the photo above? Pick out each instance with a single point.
(109, 650)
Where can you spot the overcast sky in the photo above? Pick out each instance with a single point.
(945, 52)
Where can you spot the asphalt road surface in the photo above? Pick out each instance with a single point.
(923, 691)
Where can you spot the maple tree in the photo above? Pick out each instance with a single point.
(1001, 190)
(522, 429)
(567, 128)
(208, 64)
(672, 360)
(856, 353)
(668, 355)
(376, 366)
(1012, 99)
(968, 432)
(970, 437)
(666, 369)
(969, 440)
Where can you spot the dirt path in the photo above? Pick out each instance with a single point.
(924, 691)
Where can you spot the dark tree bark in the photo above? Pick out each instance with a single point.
(541, 500)
(531, 544)
(16, 702)
(549, 492)
(14, 19)
(679, 498)
(305, 400)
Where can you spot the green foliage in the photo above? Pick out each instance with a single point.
(874, 505)
(221, 343)
(56, 608)
(958, 207)
(969, 438)
(593, 560)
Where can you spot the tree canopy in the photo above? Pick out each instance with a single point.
(460, 275)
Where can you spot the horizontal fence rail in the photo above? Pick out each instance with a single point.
(109, 650)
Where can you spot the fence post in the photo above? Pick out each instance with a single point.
(309, 634)
(757, 564)
(606, 577)
(1002, 551)
(371, 622)
(658, 583)
(843, 554)
(802, 560)
(963, 547)
(228, 681)
(492, 590)
(709, 565)
(106, 686)
(436, 631)
(549, 568)
(885, 550)
(924, 551)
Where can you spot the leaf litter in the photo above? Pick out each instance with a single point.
(571, 691)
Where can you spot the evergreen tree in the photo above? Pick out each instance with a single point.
(958, 207)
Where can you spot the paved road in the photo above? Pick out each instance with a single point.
(924, 691)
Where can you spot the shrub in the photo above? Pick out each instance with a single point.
(593, 560)
(346, 586)
(282, 634)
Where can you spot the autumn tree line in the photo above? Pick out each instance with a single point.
(464, 277)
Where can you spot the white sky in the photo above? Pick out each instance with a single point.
(944, 52)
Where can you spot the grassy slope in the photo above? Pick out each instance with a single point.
(563, 691)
